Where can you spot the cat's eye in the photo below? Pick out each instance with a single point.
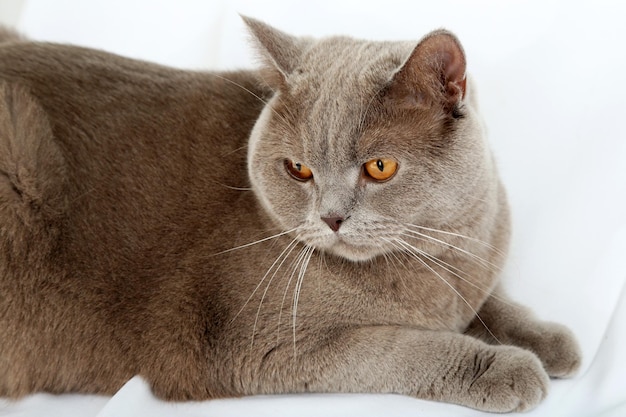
(298, 170)
(380, 169)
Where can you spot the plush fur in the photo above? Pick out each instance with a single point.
(149, 224)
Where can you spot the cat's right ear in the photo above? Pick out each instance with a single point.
(280, 52)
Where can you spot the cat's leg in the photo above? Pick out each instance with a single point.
(508, 323)
(433, 365)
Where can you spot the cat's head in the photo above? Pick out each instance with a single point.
(362, 140)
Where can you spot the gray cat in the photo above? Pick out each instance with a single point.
(331, 223)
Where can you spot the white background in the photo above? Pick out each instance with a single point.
(551, 78)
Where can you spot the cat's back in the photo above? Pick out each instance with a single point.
(126, 156)
(111, 170)
(110, 97)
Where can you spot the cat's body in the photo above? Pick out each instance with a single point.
(130, 195)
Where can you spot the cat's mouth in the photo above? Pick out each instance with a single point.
(350, 247)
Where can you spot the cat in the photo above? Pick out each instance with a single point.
(332, 222)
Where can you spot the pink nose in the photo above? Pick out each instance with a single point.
(333, 222)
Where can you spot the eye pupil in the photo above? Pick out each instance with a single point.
(380, 169)
(298, 170)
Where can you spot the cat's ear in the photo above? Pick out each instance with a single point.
(434, 73)
(279, 51)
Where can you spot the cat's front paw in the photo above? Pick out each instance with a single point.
(557, 348)
(507, 380)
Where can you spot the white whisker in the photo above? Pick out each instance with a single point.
(392, 258)
(414, 252)
(230, 187)
(255, 242)
(256, 319)
(291, 244)
(473, 239)
(303, 266)
(485, 263)
(265, 102)
(451, 269)
(293, 267)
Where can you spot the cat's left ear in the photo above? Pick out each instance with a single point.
(433, 73)
(280, 52)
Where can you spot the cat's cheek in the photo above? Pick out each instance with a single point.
(285, 199)
(443, 192)
(401, 199)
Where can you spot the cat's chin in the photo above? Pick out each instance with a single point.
(354, 253)
(346, 246)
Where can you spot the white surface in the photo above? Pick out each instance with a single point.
(550, 77)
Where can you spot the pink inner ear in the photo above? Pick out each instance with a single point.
(453, 64)
(434, 73)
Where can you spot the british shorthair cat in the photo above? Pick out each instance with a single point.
(333, 222)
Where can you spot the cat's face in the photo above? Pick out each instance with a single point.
(356, 148)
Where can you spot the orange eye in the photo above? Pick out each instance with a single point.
(299, 171)
(380, 169)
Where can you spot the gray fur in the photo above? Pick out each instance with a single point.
(148, 225)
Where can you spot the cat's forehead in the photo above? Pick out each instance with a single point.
(333, 87)
(346, 65)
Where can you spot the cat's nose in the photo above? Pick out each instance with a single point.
(334, 222)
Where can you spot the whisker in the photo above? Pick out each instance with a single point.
(242, 87)
(82, 195)
(303, 266)
(434, 257)
(255, 242)
(451, 268)
(485, 263)
(291, 244)
(230, 187)
(241, 148)
(256, 319)
(293, 267)
(473, 239)
(265, 102)
(414, 252)
(392, 259)
(363, 112)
